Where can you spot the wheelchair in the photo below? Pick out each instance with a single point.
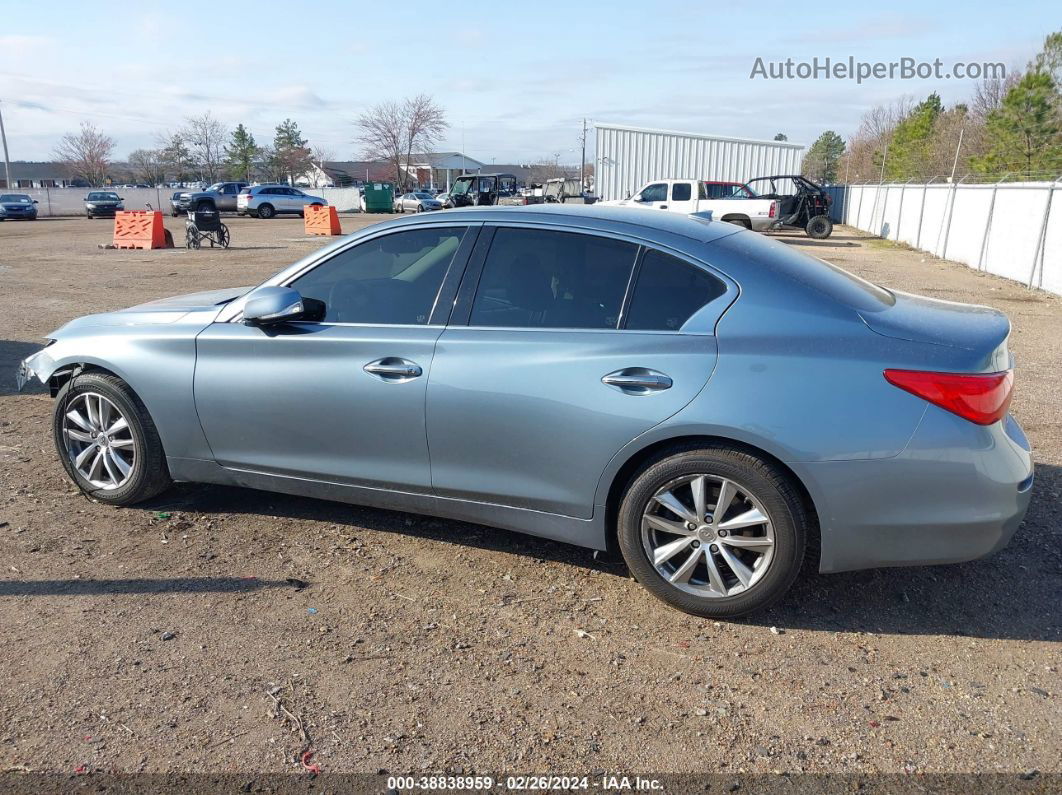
(204, 223)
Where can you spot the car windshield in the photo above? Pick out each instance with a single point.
(215, 188)
(100, 196)
(15, 198)
(461, 187)
(177, 195)
(423, 195)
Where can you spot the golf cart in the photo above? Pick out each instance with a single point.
(481, 190)
(801, 203)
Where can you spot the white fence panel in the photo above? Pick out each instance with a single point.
(1008, 229)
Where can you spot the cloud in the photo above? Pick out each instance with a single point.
(16, 46)
(297, 96)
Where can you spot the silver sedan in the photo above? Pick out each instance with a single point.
(717, 407)
(417, 202)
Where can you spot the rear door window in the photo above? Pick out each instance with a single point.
(668, 292)
(681, 192)
(534, 278)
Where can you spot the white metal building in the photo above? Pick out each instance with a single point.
(628, 157)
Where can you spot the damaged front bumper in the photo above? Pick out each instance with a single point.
(40, 366)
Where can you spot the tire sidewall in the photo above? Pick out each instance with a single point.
(91, 382)
(813, 228)
(749, 473)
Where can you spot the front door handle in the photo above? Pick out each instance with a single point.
(393, 369)
(637, 381)
(663, 206)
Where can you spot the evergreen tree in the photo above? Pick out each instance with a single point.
(241, 153)
(1024, 134)
(290, 153)
(911, 145)
(820, 163)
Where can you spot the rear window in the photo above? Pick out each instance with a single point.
(837, 283)
(668, 292)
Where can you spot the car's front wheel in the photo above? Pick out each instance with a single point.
(107, 441)
(713, 531)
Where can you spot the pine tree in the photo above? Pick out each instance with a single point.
(290, 153)
(1024, 134)
(241, 153)
(820, 163)
(910, 148)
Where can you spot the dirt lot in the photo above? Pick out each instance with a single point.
(130, 642)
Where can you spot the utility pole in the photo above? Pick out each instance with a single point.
(582, 163)
(7, 161)
(955, 162)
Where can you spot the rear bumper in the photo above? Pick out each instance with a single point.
(958, 492)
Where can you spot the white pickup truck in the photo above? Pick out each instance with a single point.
(729, 201)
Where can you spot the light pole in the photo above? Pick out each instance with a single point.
(7, 161)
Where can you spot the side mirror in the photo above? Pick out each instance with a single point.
(36, 202)
(267, 306)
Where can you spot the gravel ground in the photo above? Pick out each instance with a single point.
(131, 642)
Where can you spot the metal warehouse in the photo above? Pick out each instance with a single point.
(628, 157)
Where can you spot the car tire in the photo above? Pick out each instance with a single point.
(148, 474)
(820, 227)
(174, 213)
(420, 208)
(756, 485)
(266, 211)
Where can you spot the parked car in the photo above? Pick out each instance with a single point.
(221, 194)
(417, 202)
(17, 207)
(103, 204)
(176, 206)
(481, 190)
(713, 404)
(801, 203)
(266, 201)
(688, 196)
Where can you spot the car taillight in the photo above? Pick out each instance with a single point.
(773, 210)
(982, 398)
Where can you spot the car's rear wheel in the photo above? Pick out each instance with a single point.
(713, 531)
(107, 441)
(266, 211)
(820, 227)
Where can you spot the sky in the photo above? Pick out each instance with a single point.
(515, 79)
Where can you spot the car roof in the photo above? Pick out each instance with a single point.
(596, 217)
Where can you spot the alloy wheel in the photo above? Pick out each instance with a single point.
(708, 536)
(99, 441)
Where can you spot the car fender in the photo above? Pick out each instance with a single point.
(157, 362)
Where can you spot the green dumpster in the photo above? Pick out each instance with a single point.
(379, 197)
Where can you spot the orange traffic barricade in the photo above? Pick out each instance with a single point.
(322, 220)
(139, 229)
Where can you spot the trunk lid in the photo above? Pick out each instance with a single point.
(969, 327)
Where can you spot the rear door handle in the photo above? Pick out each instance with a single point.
(393, 369)
(663, 206)
(637, 381)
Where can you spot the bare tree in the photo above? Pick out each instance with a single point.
(393, 131)
(319, 155)
(205, 137)
(148, 166)
(86, 154)
(425, 123)
(990, 92)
